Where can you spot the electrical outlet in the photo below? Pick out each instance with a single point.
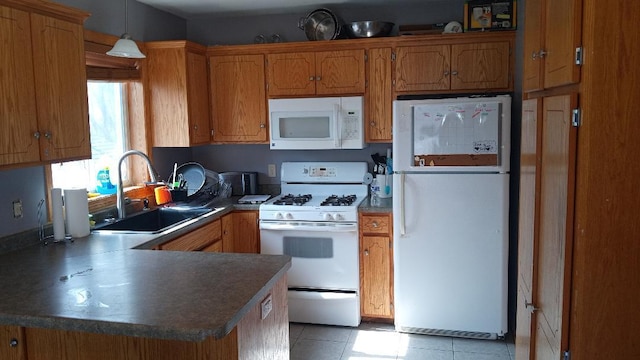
(272, 170)
(17, 209)
(265, 307)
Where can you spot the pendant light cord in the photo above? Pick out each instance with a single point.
(126, 17)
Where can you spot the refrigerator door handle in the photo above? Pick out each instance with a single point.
(403, 230)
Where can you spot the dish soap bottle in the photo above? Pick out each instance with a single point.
(105, 186)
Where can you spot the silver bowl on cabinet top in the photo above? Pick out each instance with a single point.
(368, 29)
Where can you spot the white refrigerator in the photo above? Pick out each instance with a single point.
(450, 215)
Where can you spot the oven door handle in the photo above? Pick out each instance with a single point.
(308, 226)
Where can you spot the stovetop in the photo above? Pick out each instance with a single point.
(318, 192)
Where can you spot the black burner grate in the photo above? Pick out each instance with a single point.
(335, 200)
(290, 199)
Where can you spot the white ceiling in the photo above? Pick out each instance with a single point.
(193, 8)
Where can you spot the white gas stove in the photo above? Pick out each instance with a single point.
(315, 221)
(312, 191)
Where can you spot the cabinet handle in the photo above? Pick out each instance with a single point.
(195, 127)
(36, 134)
(374, 224)
(13, 342)
(47, 135)
(373, 124)
(311, 78)
(542, 54)
(318, 78)
(366, 252)
(262, 126)
(454, 73)
(446, 73)
(534, 56)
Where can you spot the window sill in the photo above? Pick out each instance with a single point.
(102, 202)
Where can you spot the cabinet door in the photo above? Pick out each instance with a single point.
(291, 74)
(376, 276)
(563, 22)
(238, 101)
(198, 94)
(422, 68)
(533, 64)
(197, 239)
(379, 96)
(18, 100)
(340, 72)
(61, 88)
(12, 343)
(480, 66)
(246, 232)
(527, 229)
(227, 233)
(554, 250)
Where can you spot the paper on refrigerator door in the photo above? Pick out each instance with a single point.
(462, 134)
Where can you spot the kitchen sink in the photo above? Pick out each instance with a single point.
(153, 221)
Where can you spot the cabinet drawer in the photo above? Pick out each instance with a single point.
(197, 239)
(375, 224)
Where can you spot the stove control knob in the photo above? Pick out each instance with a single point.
(289, 216)
(279, 216)
(338, 217)
(328, 217)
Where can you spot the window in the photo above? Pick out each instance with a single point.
(108, 124)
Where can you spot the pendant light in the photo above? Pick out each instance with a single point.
(125, 46)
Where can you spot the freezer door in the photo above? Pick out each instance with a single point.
(452, 135)
(450, 251)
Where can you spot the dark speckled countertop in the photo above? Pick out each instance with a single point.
(111, 284)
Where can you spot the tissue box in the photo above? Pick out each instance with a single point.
(481, 15)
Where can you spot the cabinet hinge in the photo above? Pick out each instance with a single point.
(579, 54)
(575, 118)
(366, 57)
(211, 132)
(393, 56)
(566, 355)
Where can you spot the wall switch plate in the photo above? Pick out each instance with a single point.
(265, 307)
(17, 209)
(272, 170)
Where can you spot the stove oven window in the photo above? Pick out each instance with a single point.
(308, 247)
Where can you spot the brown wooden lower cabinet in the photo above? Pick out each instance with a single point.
(246, 233)
(201, 238)
(376, 266)
(252, 338)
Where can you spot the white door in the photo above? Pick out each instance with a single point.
(450, 251)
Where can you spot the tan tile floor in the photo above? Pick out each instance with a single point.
(372, 341)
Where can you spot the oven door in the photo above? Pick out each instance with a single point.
(323, 255)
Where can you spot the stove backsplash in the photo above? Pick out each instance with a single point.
(256, 158)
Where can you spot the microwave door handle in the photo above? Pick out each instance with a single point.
(336, 126)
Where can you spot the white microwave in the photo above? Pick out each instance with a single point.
(316, 123)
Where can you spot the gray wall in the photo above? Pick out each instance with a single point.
(243, 30)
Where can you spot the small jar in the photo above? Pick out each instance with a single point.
(375, 193)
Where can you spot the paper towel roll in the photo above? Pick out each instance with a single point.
(57, 214)
(76, 209)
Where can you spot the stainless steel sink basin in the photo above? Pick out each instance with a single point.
(153, 221)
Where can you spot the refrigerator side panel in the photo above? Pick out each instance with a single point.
(451, 263)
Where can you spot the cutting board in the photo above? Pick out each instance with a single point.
(253, 199)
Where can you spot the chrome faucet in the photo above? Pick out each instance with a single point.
(119, 193)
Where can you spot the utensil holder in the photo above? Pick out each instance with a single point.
(178, 194)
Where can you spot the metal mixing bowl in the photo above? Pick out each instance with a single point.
(368, 29)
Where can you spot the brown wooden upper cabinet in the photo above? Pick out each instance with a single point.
(552, 39)
(238, 99)
(178, 93)
(316, 73)
(473, 66)
(379, 96)
(43, 84)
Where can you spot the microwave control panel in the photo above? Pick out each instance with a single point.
(351, 125)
